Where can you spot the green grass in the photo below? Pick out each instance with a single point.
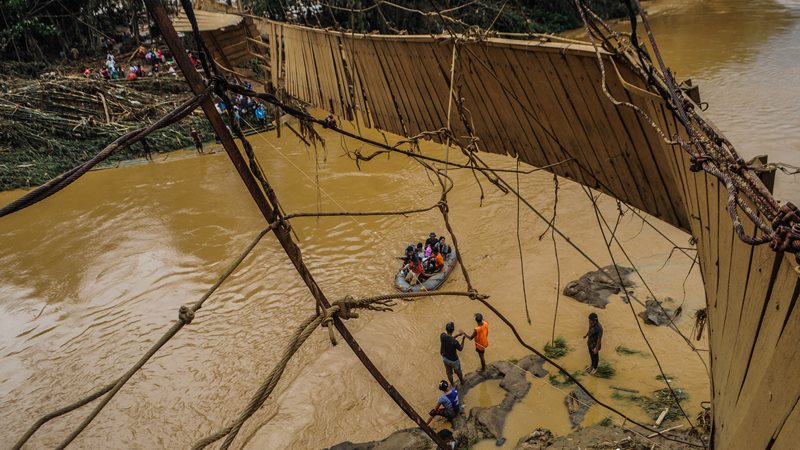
(655, 404)
(622, 350)
(556, 349)
(606, 422)
(561, 380)
(669, 377)
(605, 370)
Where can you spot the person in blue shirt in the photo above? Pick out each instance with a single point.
(260, 115)
(448, 404)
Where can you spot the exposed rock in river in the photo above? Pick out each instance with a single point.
(481, 423)
(595, 287)
(658, 314)
(577, 403)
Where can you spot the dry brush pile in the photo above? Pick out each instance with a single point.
(48, 126)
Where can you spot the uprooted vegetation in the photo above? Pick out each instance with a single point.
(557, 348)
(49, 126)
(656, 403)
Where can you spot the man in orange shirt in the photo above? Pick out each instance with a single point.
(481, 337)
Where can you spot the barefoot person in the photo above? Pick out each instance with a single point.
(481, 337)
(594, 341)
(447, 405)
(449, 350)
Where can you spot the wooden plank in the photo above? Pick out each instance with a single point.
(570, 106)
(788, 435)
(549, 150)
(632, 156)
(536, 151)
(420, 119)
(395, 88)
(549, 114)
(510, 135)
(767, 399)
(596, 123)
(376, 84)
(477, 100)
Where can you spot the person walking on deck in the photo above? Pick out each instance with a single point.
(594, 340)
(449, 349)
(481, 337)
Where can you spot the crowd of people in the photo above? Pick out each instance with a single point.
(424, 260)
(245, 107)
(149, 62)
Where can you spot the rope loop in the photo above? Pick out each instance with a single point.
(697, 162)
(185, 315)
(443, 206)
(474, 295)
(787, 229)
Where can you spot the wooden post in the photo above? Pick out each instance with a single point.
(282, 231)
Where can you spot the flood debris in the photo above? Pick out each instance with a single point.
(656, 313)
(577, 403)
(657, 402)
(600, 437)
(594, 288)
(623, 350)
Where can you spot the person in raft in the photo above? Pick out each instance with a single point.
(481, 337)
(449, 348)
(447, 405)
(594, 340)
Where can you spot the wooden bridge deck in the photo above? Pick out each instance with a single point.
(544, 102)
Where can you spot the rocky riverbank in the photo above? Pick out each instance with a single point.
(482, 423)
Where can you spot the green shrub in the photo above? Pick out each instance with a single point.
(557, 348)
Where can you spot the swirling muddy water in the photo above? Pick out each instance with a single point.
(93, 276)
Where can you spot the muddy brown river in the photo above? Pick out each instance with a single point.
(93, 276)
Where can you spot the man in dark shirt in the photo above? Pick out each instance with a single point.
(449, 350)
(594, 341)
(431, 241)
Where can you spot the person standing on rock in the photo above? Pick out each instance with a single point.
(449, 350)
(481, 337)
(594, 340)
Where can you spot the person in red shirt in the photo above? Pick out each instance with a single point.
(481, 337)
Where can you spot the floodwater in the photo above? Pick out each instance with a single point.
(745, 55)
(93, 277)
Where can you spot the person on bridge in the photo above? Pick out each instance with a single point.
(449, 349)
(594, 341)
(447, 405)
(481, 336)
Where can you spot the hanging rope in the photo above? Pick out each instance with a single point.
(519, 247)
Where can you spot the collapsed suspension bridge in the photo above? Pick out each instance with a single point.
(605, 114)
